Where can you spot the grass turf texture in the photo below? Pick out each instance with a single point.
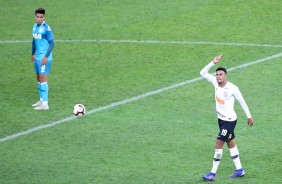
(165, 138)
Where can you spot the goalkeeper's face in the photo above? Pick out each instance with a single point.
(221, 77)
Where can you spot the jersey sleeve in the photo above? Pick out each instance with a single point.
(33, 47)
(50, 48)
(204, 73)
(241, 100)
(50, 39)
(49, 33)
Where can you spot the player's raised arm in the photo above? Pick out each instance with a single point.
(217, 59)
(205, 70)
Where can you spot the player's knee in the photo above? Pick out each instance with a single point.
(231, 144)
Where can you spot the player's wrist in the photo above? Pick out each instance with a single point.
(212, 63)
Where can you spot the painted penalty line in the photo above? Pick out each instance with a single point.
(13, 136)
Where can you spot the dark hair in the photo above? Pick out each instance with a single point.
(40, 11)
(222, 69)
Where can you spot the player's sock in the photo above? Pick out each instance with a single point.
(216, 160)
(44, 92)
(39, 90)
(235, 156)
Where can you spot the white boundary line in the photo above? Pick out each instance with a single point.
(130, 100)
(149, 42)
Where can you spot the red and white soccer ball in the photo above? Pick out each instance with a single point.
(79, 110)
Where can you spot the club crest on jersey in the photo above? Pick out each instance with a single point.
(40, 30)
(37, 36)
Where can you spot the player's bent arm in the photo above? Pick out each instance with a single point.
(205, 70)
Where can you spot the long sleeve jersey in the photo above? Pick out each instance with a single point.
(43, 41)
(225, 97)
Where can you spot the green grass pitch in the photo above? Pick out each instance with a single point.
(131, 48)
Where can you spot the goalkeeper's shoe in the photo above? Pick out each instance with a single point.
(37, 104)
(238, 173)
(42, 107)
(209, 177)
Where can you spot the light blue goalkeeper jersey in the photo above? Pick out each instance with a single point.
(42, 34)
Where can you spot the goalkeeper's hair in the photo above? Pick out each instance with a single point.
(222, 69)
(40, 11)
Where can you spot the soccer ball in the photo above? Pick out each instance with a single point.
(79, 110)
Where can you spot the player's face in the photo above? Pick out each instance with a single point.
(39, 18)
(220, 77)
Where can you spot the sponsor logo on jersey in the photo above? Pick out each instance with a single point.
(37, 36)
(220, 101)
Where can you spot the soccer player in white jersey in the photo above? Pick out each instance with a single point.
(42, 46)
(225, 95)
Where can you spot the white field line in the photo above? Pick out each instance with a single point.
(149, 42)
(13, 136)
